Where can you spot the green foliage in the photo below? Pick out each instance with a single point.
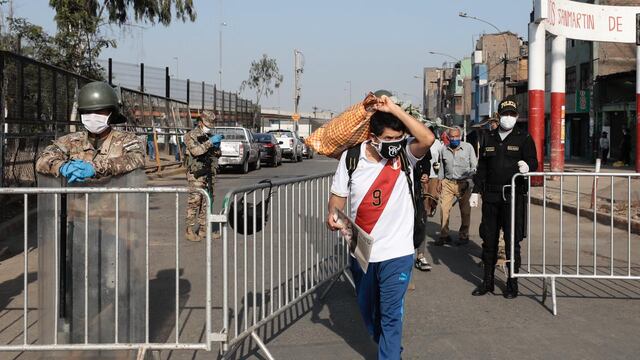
(264, 76)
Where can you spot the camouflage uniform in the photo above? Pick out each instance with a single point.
(202, 160)
(120, 153)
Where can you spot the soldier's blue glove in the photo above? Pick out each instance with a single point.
(216, 139)
(84, 170)
(68, 168)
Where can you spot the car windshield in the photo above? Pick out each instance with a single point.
(263, 138)
(230, 133)
(282, 134)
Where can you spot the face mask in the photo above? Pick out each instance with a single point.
(454, 143)
(207, 130)
(508, 122)
(390, 149)
(95, 123)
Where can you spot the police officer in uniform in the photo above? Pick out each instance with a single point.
(99, 151)
(203, 151)
(505, 151)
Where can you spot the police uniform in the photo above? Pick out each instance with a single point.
(202, 162)
(119, 153)
(497, 164)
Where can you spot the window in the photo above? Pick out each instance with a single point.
(571, 80)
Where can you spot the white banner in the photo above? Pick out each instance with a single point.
(581, 21)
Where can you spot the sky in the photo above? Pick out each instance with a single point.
(371, 44)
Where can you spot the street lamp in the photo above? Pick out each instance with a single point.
(222, 24)
(506, 49)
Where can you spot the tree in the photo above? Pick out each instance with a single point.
(80, 39)
(264, 76)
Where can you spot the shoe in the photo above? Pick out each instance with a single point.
(442, 240)
(191, 236)
(511, 292)
(214, 235)
(422, 264)
(463, 241)
(487, 285)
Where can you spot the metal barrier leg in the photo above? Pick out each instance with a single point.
(261, 345)
(335, 280)
(553, 295)
(349, 279)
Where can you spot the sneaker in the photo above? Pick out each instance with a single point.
(463, 241)
(422, 264)
(442, 240)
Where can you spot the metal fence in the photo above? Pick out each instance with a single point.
(91, 245)
(586, 227)
(277, 251)
(232, 109)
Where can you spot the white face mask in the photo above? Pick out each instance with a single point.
(207, 130)
(95, 123)
(508, 122)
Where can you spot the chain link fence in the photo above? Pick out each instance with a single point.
(38, 104)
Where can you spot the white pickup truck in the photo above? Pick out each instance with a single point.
(239, 149)
(290, 144)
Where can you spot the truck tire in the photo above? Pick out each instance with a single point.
(244, 168)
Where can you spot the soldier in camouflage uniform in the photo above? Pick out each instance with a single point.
(203, 151)
(98, 152)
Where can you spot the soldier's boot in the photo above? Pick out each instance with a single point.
(202, 234)
(487, 285)
(191, 235)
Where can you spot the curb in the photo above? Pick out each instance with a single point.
(619, 222)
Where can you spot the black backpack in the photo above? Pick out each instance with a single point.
(419, 222)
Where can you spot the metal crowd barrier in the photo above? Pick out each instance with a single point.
(280, 251)
(98, 329)
(576, 234)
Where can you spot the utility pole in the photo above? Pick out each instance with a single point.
(297, 72)
(504, 74)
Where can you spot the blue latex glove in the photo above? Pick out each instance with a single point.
(68, 168)
(216, 139)
(83, 170)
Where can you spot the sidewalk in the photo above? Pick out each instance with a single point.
(572, 191)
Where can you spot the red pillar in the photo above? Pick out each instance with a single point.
(536, 93)
(557, 131)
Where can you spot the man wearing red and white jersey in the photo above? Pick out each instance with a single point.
(381, 204)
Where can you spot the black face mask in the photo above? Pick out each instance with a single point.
(390, 149)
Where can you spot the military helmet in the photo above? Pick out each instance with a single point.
(381, 92)
(99, 95)
(208, 117)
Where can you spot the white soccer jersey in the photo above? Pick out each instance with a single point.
(380, 203)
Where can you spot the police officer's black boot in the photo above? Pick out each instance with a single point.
(487, 285)
(511, 292)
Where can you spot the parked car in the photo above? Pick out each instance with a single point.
(271, 152)
(291, 144)
(306, 150)
(239, 149)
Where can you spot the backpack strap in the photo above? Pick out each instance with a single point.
(353, 157)
(406, 168)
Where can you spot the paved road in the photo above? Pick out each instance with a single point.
(596, 320)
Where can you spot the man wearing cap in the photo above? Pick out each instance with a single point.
(505, 152)
(99, 151)
(203, 151)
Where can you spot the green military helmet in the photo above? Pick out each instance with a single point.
(381, 92)
(99, 95)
